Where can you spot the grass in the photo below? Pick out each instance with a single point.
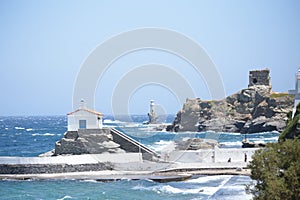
(277, 95)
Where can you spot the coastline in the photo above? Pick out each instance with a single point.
(107, 175)
(169, 172)
(109, 167)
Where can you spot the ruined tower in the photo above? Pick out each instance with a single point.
(259, 77)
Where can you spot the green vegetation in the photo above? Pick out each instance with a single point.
(276, 168)
(291, 129)
(277, 95)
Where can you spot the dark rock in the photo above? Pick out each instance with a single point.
(50, 168)
(263, 109)
(252, 145)
(259, 124)
(251, 110)
(245, 96)
(195, 144)
(87, 141)
(71, 135)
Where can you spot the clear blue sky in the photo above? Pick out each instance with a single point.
(44, 43)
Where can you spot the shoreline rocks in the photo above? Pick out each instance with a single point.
(252, 110)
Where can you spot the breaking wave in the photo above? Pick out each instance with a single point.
(19, 128)
(45, 134)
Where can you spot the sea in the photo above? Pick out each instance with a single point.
(29, 136)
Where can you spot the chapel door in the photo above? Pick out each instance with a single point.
(82, 124)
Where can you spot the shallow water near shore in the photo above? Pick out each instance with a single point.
(201, 187)
(32, 135)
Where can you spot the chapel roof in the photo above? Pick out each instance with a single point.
(87, 110)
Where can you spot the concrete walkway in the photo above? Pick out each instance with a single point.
(74, 159)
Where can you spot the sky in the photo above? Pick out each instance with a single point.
(45, 43)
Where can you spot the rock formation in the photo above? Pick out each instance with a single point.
(195, 144)
(99, 141)
(251, 110)
(87, 141)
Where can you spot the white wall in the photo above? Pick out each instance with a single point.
(211, 155)
(92, 121)
(75, 159)
(236, 155)
(203, 156)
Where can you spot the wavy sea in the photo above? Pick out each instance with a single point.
(29, 136)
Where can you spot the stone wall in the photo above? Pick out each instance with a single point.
(259, 77)
(51, 168)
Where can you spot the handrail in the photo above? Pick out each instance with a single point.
(134, 141)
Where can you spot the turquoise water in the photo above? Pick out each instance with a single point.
(204, 187)
(31, 136)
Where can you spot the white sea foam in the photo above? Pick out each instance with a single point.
(90, 181)
(205, 179)
(192, 190)
(236, 192)
(225, 133)
(49, 134)
(258, 140)
(173, 190)
(109, 121)
(263, 133)
(45, 134)
(109, 126)
(160, 145)
(276, 132)
(212, 190)
(19, 128)
(271, 138)
(168, 189)
(29, 129)
(132, 125)
(66, 197)
(238, 143)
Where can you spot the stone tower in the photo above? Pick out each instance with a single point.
(259, 77)
(152, 115)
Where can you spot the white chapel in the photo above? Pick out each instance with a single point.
(84, 118)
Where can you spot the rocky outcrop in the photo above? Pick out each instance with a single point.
(195, 144)
(99, 141)
(251, 110)
(87, 141)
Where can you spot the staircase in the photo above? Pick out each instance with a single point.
(130, 145)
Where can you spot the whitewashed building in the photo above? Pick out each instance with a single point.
(84, 118)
